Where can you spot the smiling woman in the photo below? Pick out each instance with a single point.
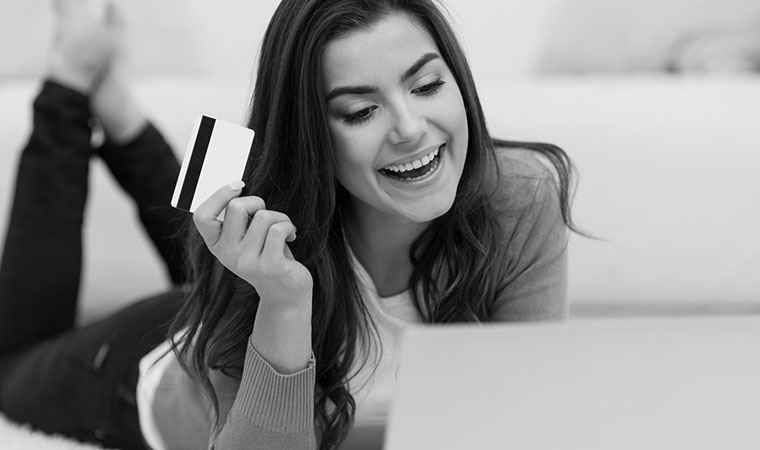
(374, 198)
(399, 129)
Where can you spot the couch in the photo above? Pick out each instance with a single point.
(667, 186)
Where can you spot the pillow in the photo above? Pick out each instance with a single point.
(730, 49)
(652, 35)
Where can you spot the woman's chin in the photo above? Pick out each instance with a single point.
(429, 211)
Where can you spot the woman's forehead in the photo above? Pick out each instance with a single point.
(385, 49)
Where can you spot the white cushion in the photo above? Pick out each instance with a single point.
(592, 36)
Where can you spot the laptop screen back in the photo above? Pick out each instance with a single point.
(615, 384)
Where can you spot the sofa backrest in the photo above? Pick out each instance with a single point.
(668, 183)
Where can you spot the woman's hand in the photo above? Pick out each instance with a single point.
(252, 243)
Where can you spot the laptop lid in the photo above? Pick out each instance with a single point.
(691, 383)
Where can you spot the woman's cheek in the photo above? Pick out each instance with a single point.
(352, 154)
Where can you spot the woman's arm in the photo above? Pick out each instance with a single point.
(275, 401)
(274, 406)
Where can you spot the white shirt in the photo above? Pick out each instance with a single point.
(373, 392)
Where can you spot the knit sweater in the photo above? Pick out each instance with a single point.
(267, 410)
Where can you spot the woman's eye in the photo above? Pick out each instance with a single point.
(429, 89)
(360, 116)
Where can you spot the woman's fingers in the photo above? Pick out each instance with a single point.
(246, 222)
(205, 216)
(260, 225)
(251, 242)
(274, 247)
(237, 217)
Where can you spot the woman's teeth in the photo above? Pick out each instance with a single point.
(424, 161)
(415, 170)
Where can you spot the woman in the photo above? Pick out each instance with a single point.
(375, 198)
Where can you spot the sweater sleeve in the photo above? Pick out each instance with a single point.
(270, 411)
(535, 283)
(264, 410)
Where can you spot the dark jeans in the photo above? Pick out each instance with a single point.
(79, 382)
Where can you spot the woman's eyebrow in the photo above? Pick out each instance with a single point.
(424, 59)
(359, 90)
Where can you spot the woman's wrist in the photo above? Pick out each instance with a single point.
(282, 336)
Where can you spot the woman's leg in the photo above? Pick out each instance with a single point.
(145, 166)
(77, 382)
(41, 263)
(82, 383)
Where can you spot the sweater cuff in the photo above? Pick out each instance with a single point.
(276, 402)
(64, 102)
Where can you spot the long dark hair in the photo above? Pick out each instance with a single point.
(292, 166)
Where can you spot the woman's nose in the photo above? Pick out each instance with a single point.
(409, 126)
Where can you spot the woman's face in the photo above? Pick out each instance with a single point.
(397, 120)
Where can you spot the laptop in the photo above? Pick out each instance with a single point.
(686, 383)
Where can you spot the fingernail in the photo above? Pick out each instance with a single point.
(236, 185)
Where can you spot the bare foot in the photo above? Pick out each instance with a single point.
(86, 37)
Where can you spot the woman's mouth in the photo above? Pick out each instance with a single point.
(415, 170)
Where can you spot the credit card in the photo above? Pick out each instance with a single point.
(216, 156)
